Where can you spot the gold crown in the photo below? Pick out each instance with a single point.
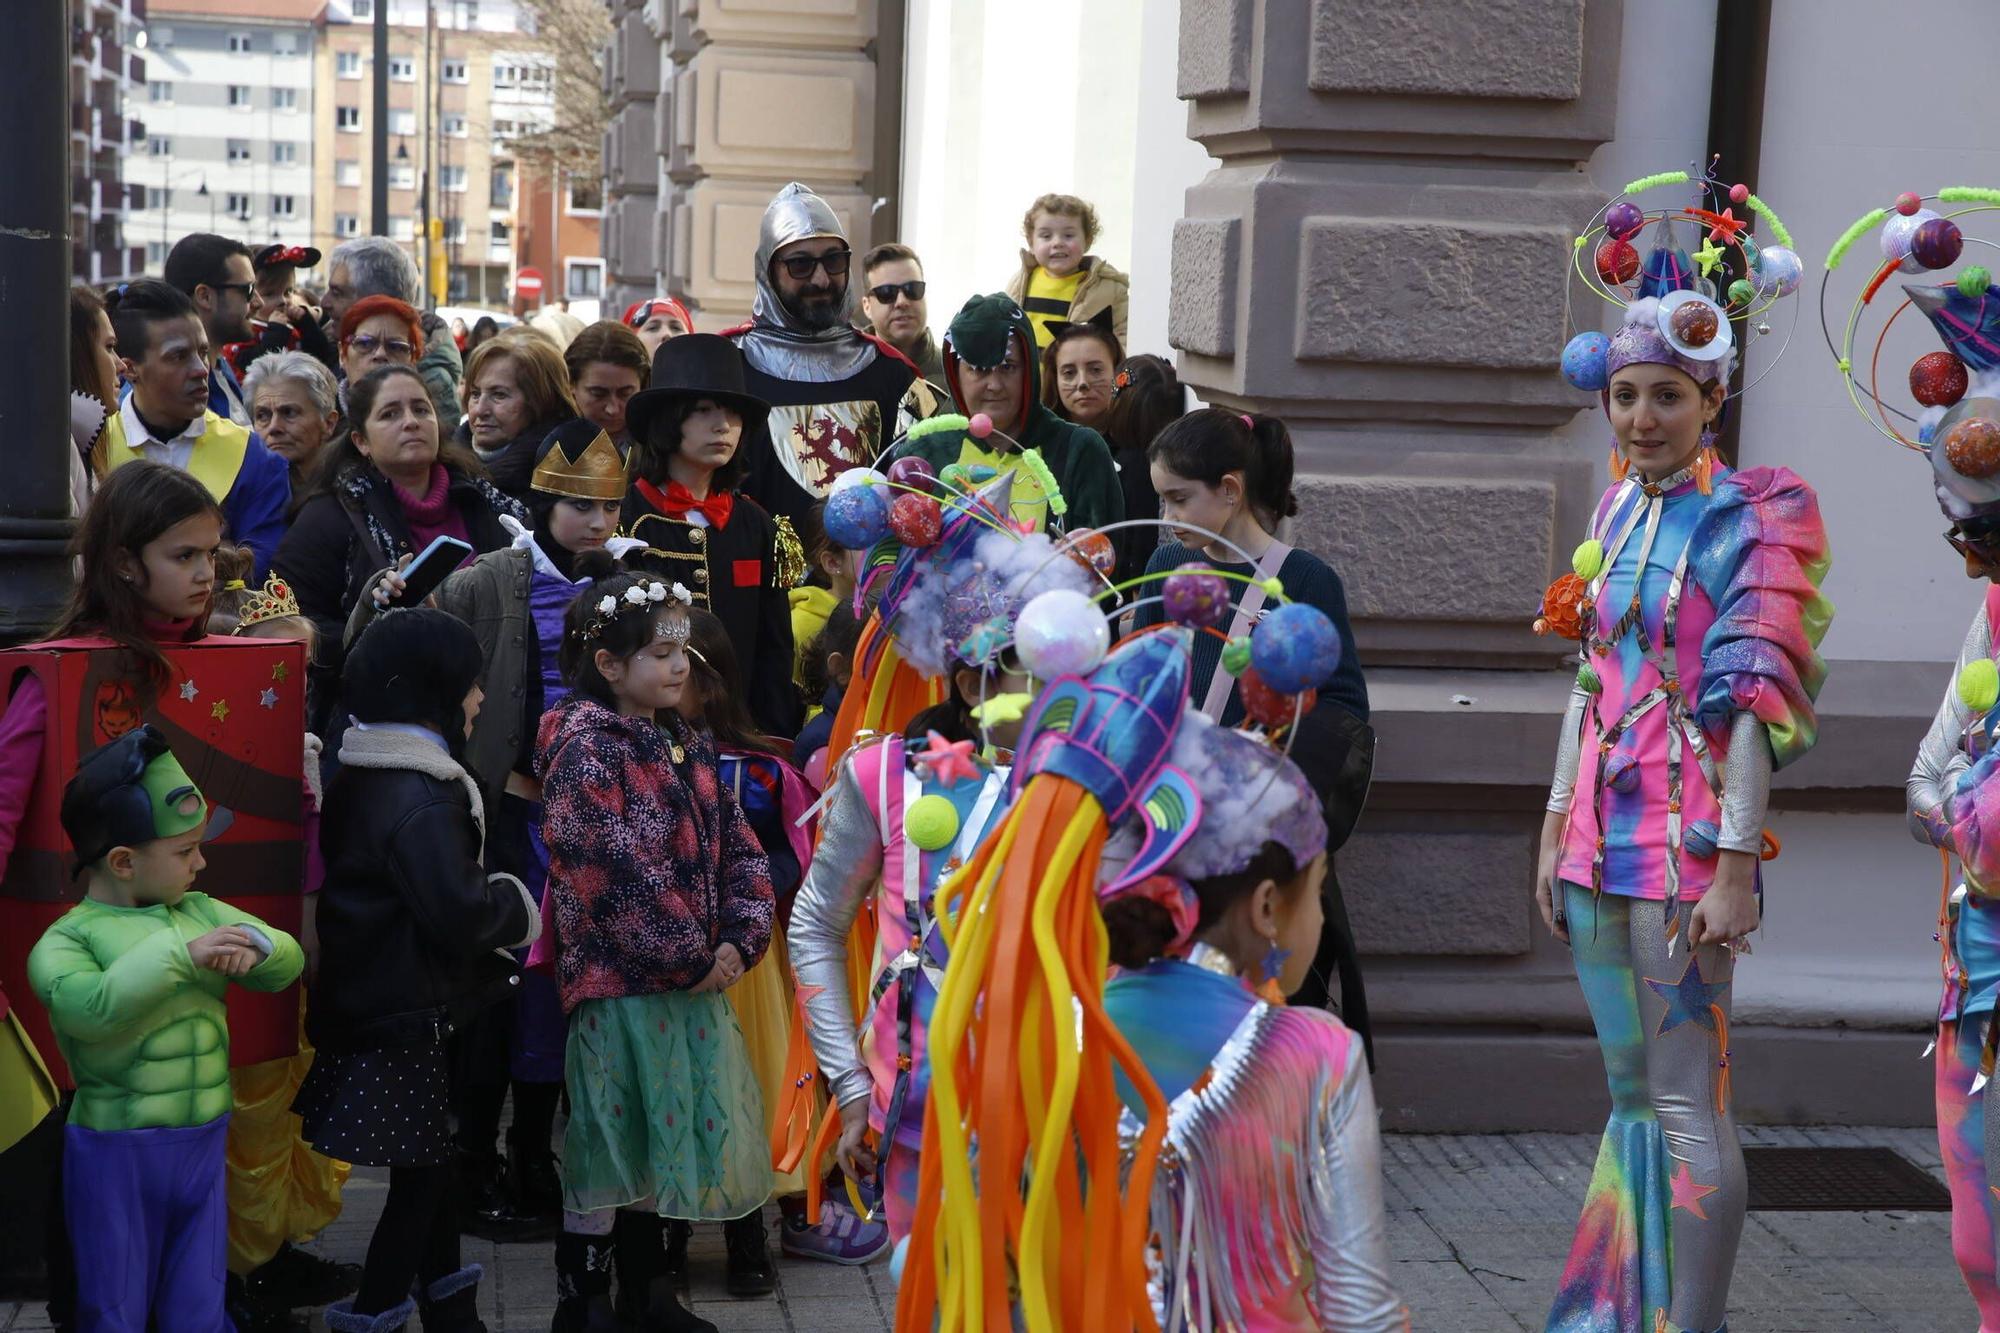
(598, 473)
(270, 602)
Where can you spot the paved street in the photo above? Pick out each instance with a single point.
(1478, 1228)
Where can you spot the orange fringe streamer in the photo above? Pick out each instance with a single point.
(1704, 470)
(1722, 1045)
(1619, 466)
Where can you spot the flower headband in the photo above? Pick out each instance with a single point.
(639, 596)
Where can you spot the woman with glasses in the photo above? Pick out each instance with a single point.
(1077, 367)
(378, 331)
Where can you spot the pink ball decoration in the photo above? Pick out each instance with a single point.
(980, 426)
(1196, 597)
(1908, 203)
(1938, 379)
(1617, 261)
(1937, 243)
(1739, 193)
(1623, 219)
(916, 520)
(912, 472)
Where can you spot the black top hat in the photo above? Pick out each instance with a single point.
(694, 365)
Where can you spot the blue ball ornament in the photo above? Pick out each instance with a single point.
(856, 517)
(1699, 838)
(1295, 648)
(1585, 361)
(1779, 271)
(1621, 773)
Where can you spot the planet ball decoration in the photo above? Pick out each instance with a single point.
(1617, 261)
(1094, 551)
(1061, 632)
(1623, 219)
(1700, 838)
(1778, 271)
(931, 822)
(1972, 447)
(1587, 560)
(1621, 773)
(1585, 359)
(1294, 648)
(916, 520)
(1742, 292)
(1908, 203)
(1973, 280)
(1694, 323)
(980, 426)
(914, 473)
(1938, 379)
(1236, 655)
(1937, 243)
(856, 517)
(1899, 233)
(1739, 193)
(1271, 708)
(856, 476)
(1979, 685)
(1195, 597)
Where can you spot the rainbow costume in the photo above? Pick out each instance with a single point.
(1954, 800)
(1696, 602)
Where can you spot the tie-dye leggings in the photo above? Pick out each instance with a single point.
(1965, 1145)
(1664, 1212)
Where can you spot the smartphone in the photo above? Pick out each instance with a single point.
(431, 568)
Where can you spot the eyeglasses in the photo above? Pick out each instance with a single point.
(368, 343)
(886, 293)
(243, 287)
(800, 267)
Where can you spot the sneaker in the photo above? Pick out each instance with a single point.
(750, 1271)
(840, 1236)
(294, 1278)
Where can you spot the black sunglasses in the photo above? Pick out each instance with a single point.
(1981, 543)
(243, 287)
(886, 293)
(801, 267)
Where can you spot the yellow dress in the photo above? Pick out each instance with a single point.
(765, 1012)
(279, 1188)
(27, 1093)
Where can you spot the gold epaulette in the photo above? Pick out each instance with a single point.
(790, 555)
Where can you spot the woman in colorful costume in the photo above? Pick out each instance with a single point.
(1696, 598)
(1271, 1120)
(1954, 801)
(906, 809)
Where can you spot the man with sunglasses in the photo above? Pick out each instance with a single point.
(215, 273)
(892, 300)
(835, 393)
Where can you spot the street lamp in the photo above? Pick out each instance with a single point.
(167, 206)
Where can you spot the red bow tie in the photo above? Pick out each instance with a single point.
(677, 500)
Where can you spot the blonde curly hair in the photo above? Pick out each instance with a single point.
(1062, 206)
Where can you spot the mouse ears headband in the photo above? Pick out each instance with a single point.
(1694, 309)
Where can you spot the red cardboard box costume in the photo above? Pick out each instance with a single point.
(234, 712)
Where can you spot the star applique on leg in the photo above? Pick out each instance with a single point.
(1688, 999)
(1687, 1194)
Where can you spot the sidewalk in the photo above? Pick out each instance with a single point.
(1478, 1231)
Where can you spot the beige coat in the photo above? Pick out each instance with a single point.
(1101, 286)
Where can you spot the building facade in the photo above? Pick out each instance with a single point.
(107, 68)
(229, 139)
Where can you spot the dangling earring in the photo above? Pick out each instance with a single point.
(1619, 464)
(1274, 961)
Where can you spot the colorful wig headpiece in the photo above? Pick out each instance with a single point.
(1956, 390)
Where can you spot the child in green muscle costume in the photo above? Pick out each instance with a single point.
(133, 977)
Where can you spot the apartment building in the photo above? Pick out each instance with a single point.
(229, 142)
(107, 66)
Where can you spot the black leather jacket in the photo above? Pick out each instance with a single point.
(408, 921)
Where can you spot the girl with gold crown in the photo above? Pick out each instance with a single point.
(1696, 602)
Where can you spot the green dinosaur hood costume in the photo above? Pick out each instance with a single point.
(1077, 457)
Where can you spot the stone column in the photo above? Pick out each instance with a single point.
(1381, 260)
(632, 61)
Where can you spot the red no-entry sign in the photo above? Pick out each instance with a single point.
(528, 283)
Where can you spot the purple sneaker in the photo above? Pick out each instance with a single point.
(840, 1237)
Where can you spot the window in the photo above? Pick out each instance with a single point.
(156, 253)
(539, 78)
(454, 71)
(159, 197)
(239, 150)
(347, 173)
(346, 225)
(363, 10)
(586, 194)
(347, 64)
(402, 176)
(402, 69)
(159, 34)
(586, 279)
(238, 207)
(239, 43)
(451, 178)
(284, 206)
(505, 76)
(159, 145)
(401, 230)
(453, 127)
(402, 122)
(284, 99)
(284, 43)
(503, 185)
(348, 118)
(160, 93)
(284, 152)
(505, 129)
(454, 231)
(239, 96)
(500, 243)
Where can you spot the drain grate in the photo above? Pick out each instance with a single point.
(1840, 1180)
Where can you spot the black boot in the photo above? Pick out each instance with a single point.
(294, 1277)
(486, 1210)
(679, 1233)
(583, 1285)
(533, 1186)
(450, 1304)
(648, 1299)
(750, 1270)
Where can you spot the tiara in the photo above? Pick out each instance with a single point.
(273, 601)
(640, 595)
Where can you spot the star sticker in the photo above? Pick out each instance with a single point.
(220, 712)
(950, 762)
(1689, 1195)
(807, 994)
(1688, 999)
(1709, 257)
(268, 699)
(280, 672)
(1726, 225)
(188, 691)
